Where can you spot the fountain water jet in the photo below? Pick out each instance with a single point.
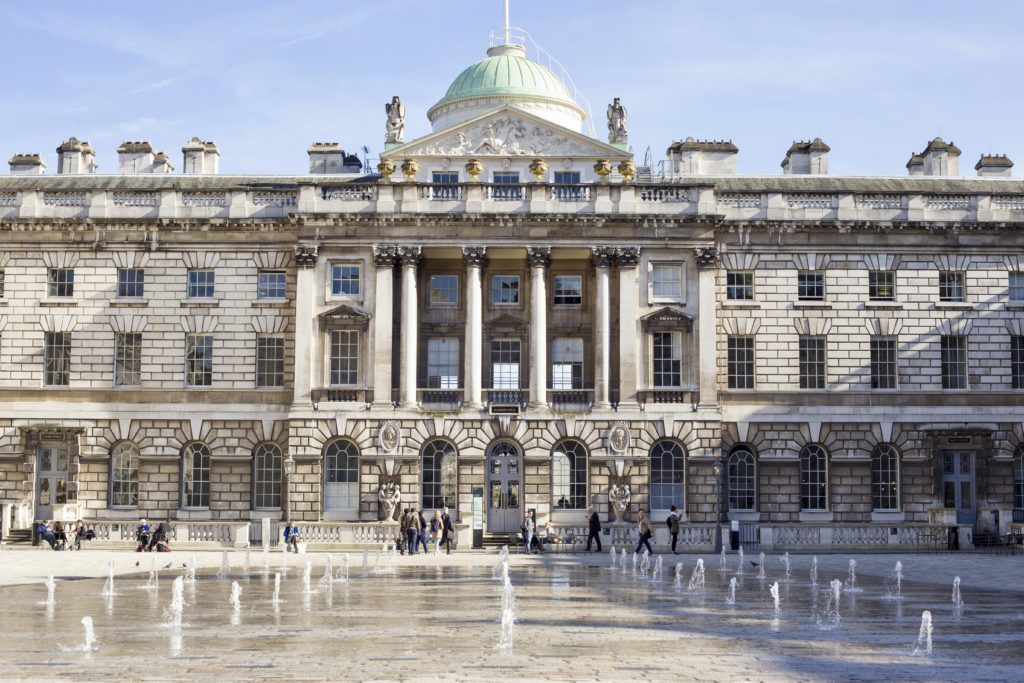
(730, 599)
(696, 584)
(245, 566)
(894, 584)
(342, 574)
(612, 557)
(773, 590)
(366, 563)
(635, 558)
(656, 573)
(739, 564)
(645, 563)
(276, 600)
(508, 608)
(236, 597)
(831, 614)
(51, 586)
(622, 560)
(266, 559)
(500, 570)
(851, 580)
(785, 562)
(190, 572)
(957, 600)
(679, 575)
(108, 587)
(814, 571)
(760, 567)
(177, 606)
(326, 581)
(90, 636)
(307, 589)
(923, 646)
(722, 564)
(225, 566)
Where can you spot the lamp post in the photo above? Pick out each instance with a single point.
(289, 470)
(717, 468)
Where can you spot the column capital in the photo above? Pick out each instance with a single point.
(707, 257)
(305, 255)
(538, 257)
(474, 257)
(410, 256)
(602, 257)
(385, 255)
(627, 257)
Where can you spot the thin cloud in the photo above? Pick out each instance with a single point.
(158, 85)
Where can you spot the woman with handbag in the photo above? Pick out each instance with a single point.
(436, 529)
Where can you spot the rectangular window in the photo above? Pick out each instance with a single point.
(505, 290)
(1016, 287)
(951, 286)
(565, 186)
(810, 285)
(568, 290)
(131, 282)
(740, 362)
(57, 359)
(667, 359)
(666, 281)
(739, 286)
(446, 185)
(345, 279)
(567, 177)
(198, 360)
(444, 291)
(271, 284)
(954, 362)
(443, 363)
(1, 283)
(445, 178)
(812, 362)
(60, 282)
(505, 359)
(567, 364)
(127, 359)
(884, 367)
(269, 361)
(344, 357)
(1017, 361)
(512, 190)
(882, 285)
(200, 284)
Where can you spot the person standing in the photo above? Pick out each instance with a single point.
(448, 530)
(643, 527)
(424, 530)
(673, 527)
(529, 527)
(412, 530)
(436, 531)
(291, 537)
(594, 524)
(402, 538)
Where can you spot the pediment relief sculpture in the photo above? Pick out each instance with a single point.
(504, 136)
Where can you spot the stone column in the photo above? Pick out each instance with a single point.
(384, 257)
(539, 258)
(475, 259)
(305, 341)
(707, 264)
(629, 296)
(410, 258)
(602, 259)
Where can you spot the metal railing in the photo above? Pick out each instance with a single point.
(681, 395)
(342, 395)
(505, 397)
(571, 400)
(440, 399)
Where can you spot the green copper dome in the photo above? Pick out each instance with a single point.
(507, 74)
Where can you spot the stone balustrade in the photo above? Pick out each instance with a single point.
(836, 537)
(223, 534)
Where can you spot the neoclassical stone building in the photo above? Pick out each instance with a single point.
(510, 308)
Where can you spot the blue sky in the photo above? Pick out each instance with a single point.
(876, 80)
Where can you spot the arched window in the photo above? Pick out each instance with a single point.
(440, 475)
(885, 477)
(742, 479)
(813, 478)
(341, 476)
(668, 476)
(569, 476)
(267, 469)
(1018, 483)
(124, 475)
(195, 475)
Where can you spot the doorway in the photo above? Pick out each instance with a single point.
(504, 488)
(51, 480)
(958, 485)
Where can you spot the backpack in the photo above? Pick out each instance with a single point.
(668, 521)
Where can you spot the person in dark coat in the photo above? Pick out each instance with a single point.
(594, 522)
(424, 530)
(412, 530)
(402, 539)
(449, 531)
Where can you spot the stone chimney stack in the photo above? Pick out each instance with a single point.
(994, 166)
(806, 158)
(162, 163)
(939, 158)
(75, 156)
(702, 157)
(201, 157)
(138, 156)
(27, 164)
(329, 157)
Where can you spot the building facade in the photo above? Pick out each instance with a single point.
(511, 311)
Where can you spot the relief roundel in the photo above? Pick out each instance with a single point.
(618, 437)
(389, 438)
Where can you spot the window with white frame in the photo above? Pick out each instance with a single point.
(505, 290)
(741, 479)
(271, 284)
(666, 281)
(60, 282)
(885, 478)
(57, 359)
(346, 279)
(882, 285)
(668, 476)
(127, 359)
(124, 475)
(884, 362)
(444, 291)
(440, 475)
(569, 476)
(566, 363)
(341, 476)
(953, 359)
(1017, 361)
(505, 360)
(442, 363)
(198, 360)
(739, 285)
(813, 478)
(195, 475)
(344, 357)
(812, 360)
(740, 362)
(666, 359)
(269, 361)
(568, 290)
(951, 286)
(201, 284)
(268, 466)
(1016, 287)
(506, 186)
(131, 283)
(810, 285)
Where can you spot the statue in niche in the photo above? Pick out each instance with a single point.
(617, 123)
(395, 128)
(389, 495)
(618, 498)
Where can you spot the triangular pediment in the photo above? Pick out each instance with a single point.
(507, 320)
(668, 315)
(345, 313)
(506, 132)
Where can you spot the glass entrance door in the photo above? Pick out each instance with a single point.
(958, 485)
(504, 467)
(51, 480)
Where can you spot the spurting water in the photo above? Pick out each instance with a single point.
(645, 563)
(894, 584)
(266, 559)
(635, 558)
(696, 584)
(327, 580)
(611, 560)
(773, 590)
(739, 564)
(500, 570)
(307, 589)
(342, 574)
(851, 580)
(190, 572)
(508, 612)
(366, 563)
(622, 560)
(51, 586)
(276, 600)
(656, 574)
(108, 587)
(236, 597)
(245, 566)
(760, 567)
(722, 563)
(923, 646)
(679, 575)
(958, 601)
(785, 562)
(225, 566)
(830, 618)
(730, 599)
(814, 571)
(177, 606)
(90, 636)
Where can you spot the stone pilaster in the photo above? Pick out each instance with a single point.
(707, 264)
(410, 258)
(305, 285)
(629, 323)
(475, 259)
(602, 258)
(539, 258)
(384, 258)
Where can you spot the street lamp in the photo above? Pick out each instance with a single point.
(717, 468)
(289, 470)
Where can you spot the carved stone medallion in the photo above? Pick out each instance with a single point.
(618, 438)
(389, 438)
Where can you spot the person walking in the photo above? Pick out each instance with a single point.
(594, 524)
(673, 527)
(448, 530)
(436, 531)
(402, 539)
(643, 527)
(529, 528)
(412, 530)
(424, 530)
(291, 537)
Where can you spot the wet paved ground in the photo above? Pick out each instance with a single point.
(438, 619)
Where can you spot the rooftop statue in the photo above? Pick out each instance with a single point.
(617, 122)
(395, 128)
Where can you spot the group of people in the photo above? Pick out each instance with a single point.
(152, 539)
(417, 529)
(645, 531)
(57, 535)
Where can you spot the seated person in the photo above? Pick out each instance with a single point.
(549, 535)
(60, 536)
(291, 537)
(46, 533)
(159, 536)
(142, 534)
(82, 534)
